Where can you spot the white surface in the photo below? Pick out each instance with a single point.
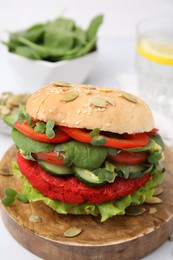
(114, 67)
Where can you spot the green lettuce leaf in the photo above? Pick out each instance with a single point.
(106, 210)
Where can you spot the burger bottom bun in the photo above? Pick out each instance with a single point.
(121, 235)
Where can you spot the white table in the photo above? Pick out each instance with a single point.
(114, 69)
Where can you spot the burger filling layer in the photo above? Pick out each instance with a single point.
(78, 166)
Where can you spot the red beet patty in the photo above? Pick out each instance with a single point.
(71, 190)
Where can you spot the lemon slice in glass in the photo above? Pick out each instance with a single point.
(157, 51)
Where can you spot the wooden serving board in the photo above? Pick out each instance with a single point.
(122, 237)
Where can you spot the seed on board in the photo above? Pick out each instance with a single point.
(152, 210)
(10, 103)
(5, 172)
(72, 232)
(98, 101)
(129, 97)
(134, 211)
(13, 101)
(87, 91)
(158, 191)
(4, 110)
(69, 95)
(35, 218)
(153, 200)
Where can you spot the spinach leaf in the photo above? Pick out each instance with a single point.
(27, 52)
(151, 146)
(60, 39)
(85, 155)
(10, 119)
(154, 157)
(158, 139)
(93, 27)
(28, 145)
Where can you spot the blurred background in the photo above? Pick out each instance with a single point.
(121, 16)
(117, 34)
(114, 67)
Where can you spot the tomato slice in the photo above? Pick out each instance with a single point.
(153, 131)
(28, 131)
(130, 141)
(129, 158)
(49, 157)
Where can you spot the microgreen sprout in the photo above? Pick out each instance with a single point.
(29, 119)
(94, 132)
(11, 195)
(49, 129)
(24, 116)
(40, 127)
(21, 117)
(98, 140)
(50, 133)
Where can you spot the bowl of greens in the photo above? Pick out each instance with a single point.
(55, 50)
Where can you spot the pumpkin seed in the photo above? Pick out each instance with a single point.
(72, 232)
(134, 211)
(105, 90)
(158, 191)
(4, 110)
(129, 97)
(98, 101)
(5, 172)
(153, 200)
(13, 101)
(61, 84)
(10, 103)
(87, 91)
(111, 101)
(152, 211)
(35, 218)
(69, 95)
(88, 86)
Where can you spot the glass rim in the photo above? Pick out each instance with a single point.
(152, 18)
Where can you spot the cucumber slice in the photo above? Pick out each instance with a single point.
(130, 171)
(55, 169)
(87, 176)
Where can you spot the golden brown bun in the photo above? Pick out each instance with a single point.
(90, 107)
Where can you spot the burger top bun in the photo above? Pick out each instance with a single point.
(90, 107)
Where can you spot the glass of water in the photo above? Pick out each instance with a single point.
(154, 62)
